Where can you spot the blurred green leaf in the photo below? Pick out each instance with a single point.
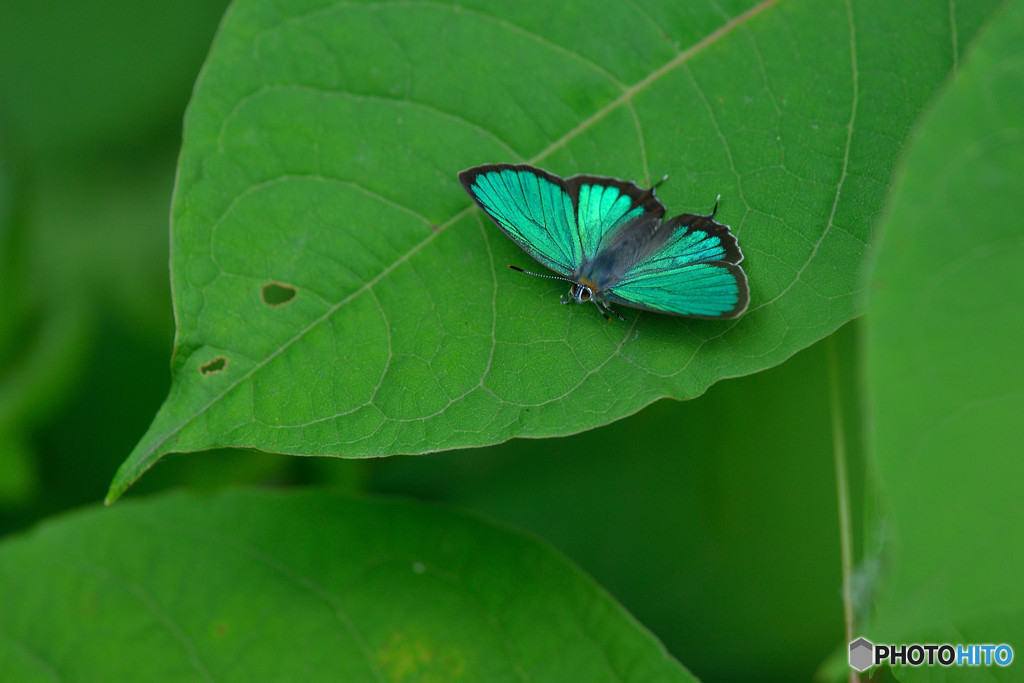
(91, 96)
(321, 152)
(40, 371)
(89, 244)
(310, 586)
(76, 74)
(18, 478)
(40, 345)
(692, 514)
(98, 235)
(946, 318)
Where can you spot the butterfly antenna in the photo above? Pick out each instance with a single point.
(658, 184)
(530, 272)
(715, 210)
(606, 311)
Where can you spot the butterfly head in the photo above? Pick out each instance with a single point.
(580, 293)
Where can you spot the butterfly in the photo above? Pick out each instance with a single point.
(608, 239)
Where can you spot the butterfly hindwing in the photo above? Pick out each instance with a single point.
(695, 272)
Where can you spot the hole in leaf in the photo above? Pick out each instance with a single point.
(214, 366)
(276, 294)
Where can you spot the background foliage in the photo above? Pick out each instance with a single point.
(693, 515)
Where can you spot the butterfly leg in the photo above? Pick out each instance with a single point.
(607, 309)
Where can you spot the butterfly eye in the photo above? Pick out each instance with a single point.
(580, 293)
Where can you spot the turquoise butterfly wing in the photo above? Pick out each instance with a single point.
(559, 222)
(696, 273)
(534, 209)
(608, 236)
(605, 207)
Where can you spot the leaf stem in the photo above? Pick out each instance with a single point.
(842, 490)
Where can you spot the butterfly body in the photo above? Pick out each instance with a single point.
(608, 239)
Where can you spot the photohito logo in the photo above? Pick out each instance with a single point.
(864, 653)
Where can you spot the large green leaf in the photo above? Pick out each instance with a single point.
(320, 160)
(311, 586)
(946, 318)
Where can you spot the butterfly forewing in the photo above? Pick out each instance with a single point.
(533, 208)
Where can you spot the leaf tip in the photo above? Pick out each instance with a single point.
(117, 488)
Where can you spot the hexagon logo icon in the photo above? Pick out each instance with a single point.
(861, 654)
